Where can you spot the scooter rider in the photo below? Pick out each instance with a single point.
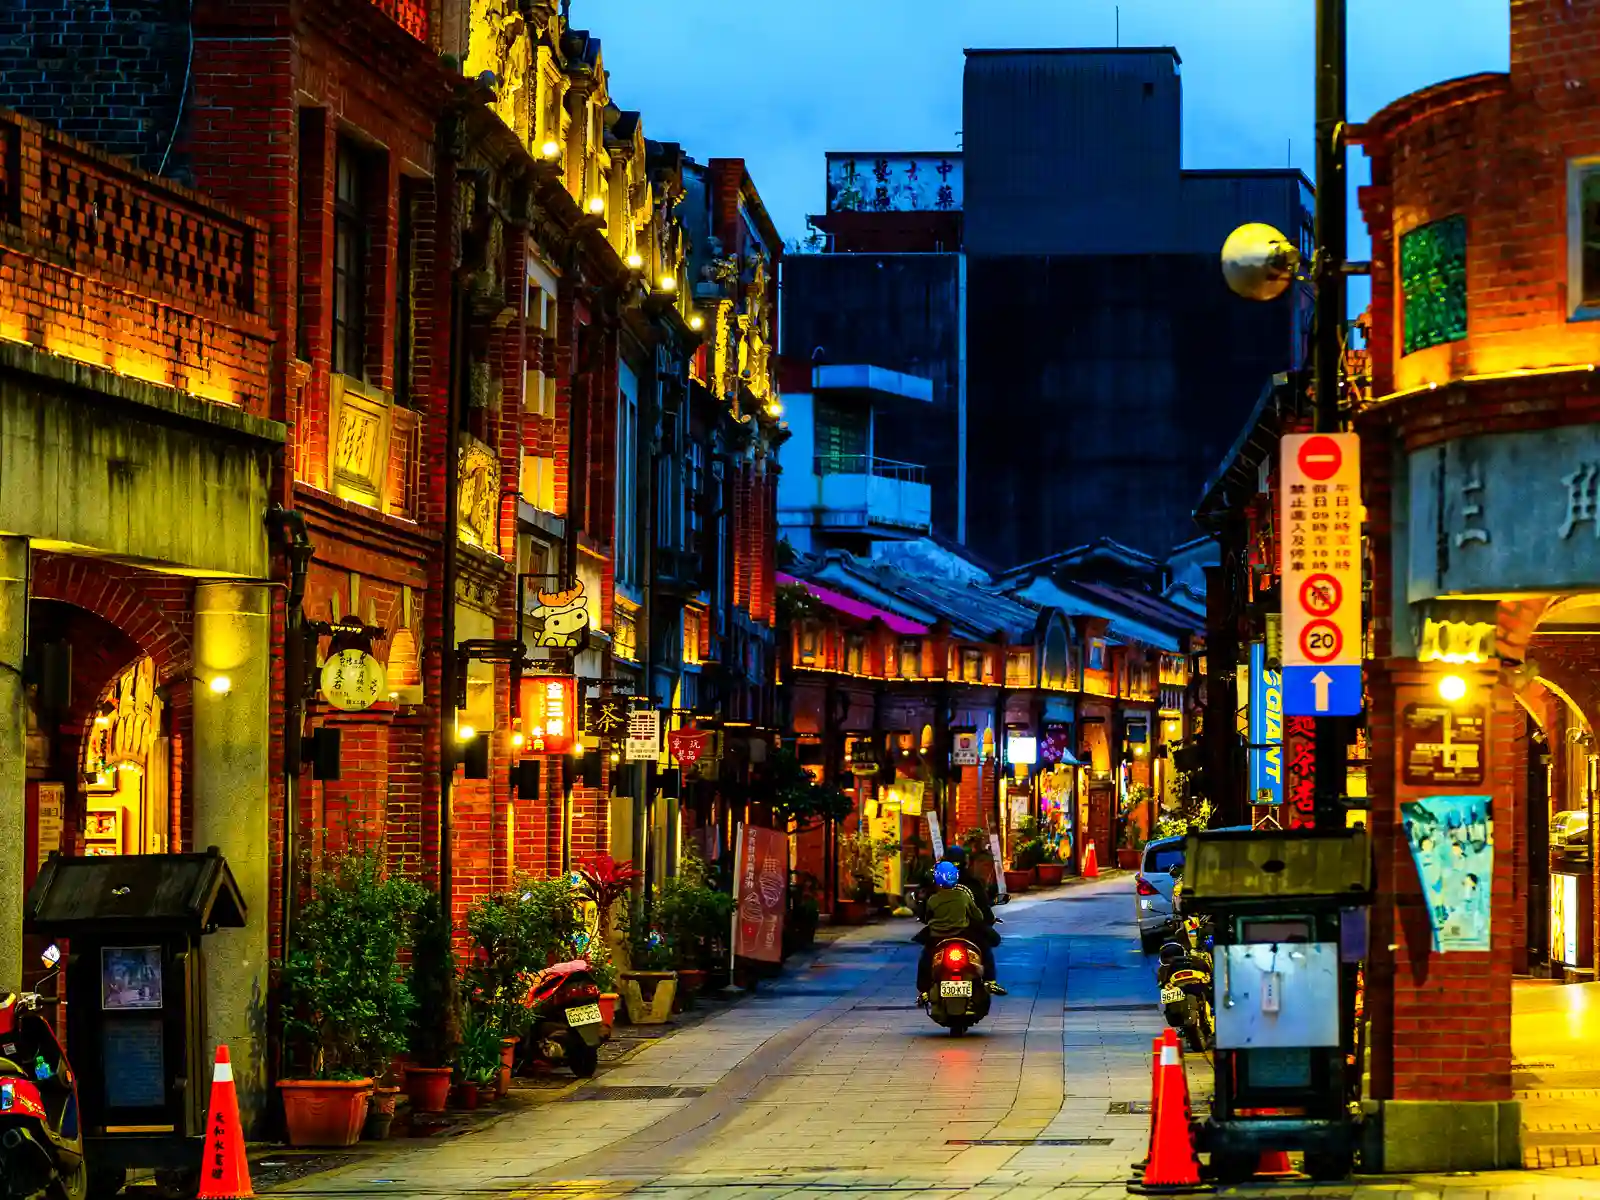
(953, 911)
(970, 881)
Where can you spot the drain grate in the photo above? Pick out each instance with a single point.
(1034, 1141)
(1129, 1108)
(652, 1091)
(1141, 1006)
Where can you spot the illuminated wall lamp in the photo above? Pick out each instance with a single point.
(551, 149)
(1453, 688)
(697, 322)
(596, 205)
(635, 261)
(669, 283)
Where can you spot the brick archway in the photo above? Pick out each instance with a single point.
(128, 599)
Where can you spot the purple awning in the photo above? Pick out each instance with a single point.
(856, 608)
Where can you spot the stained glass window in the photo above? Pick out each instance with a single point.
(1433, 283)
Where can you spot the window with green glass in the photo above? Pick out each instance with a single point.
(1433, 283)
(1588, 231)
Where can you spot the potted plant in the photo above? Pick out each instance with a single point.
(650, 984)
(694, 918)
(604, 881)
(1130, 846)
(380, 1113)
(861, 858)
(346, 1002)
(1051, 870)
(478, 1063)
(604, 969)
(435, 1030)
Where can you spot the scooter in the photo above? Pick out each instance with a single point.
(41, 1141)
(958, 997)
(1186, 984)
(563, 1019)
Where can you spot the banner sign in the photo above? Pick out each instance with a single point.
(999, 861)
(644, 735)
(686, 745)
(1452, 844)
(1266, 729)
(935, 838)
(762, 880)
(1300, 773)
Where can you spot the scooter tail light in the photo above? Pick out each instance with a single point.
(1144, 886)
(955, 956)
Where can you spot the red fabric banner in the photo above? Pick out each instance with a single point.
(763, 884)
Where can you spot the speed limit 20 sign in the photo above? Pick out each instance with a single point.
(1320, 523)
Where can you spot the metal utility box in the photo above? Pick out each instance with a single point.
(134, 1008)
(1289, 918)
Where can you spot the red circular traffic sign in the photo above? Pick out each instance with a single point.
(1320, 458)
(1321, 595)
(1321, 641)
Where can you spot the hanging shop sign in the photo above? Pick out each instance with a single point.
(1266, 729)
(644, 735)
(1441, 744)
(965, 750)
(1452, 844)
(1320, 504)
(1300, 773)
(549, 713)
(1056, 745)
(1505, 512)
(606, 717)
(864, 758)
(910, 792)
(687, 745)
(1022, 751)
(762, 872)
(561, 622)
(352, 680)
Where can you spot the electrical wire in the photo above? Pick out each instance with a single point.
(183, 96)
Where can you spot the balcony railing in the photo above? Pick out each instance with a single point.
(867, 464)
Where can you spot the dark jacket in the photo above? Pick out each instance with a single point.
(980, 893)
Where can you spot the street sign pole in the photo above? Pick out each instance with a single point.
(1331, 741)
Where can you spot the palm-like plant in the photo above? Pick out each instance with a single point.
(603, 881)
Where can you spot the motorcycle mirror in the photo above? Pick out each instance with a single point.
(52, 955)
(1003, 898)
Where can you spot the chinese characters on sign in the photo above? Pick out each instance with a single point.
(686, 745)
(966, 750)
(1321, 508)
(352, 680)
(762, 873)
(644, 735)
(549, 704)
(606, 717)
(1452, 844)
(1440, 744)
(1300, 758)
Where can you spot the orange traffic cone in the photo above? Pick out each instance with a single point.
(1172, 1166)
(1091, 866)
(224, 1171)
(1155, 1093)
(1275, 1165)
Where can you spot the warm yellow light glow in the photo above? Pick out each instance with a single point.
(635, 261)
(516, 739)
(697, 322)
(221, 685)
(465, 733)
(102, 721)
(668, 283)
(774, 409)
(577, 750)
(1452, 688)
(596, 204)
(550, 149)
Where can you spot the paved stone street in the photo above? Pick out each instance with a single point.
(832, 1084)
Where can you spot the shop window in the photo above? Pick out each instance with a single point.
(691, 638)
(1583, 239)
(350, 252)
(1019, 668)
(910, 658)
(972, 666)
(855, 654)
(626, 643)
(1097, 654)
(1057, 658)
(1433, 283)
(405, 291)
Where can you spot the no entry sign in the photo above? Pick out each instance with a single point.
(1320, 511)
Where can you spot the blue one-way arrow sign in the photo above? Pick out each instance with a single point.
(1331, 691)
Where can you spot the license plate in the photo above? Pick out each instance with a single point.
(955, 987)
(584, 1014)
(1171, 995)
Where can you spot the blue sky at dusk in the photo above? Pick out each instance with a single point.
(781, 83)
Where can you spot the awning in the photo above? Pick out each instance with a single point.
(856, 608)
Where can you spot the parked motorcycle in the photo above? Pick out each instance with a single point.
(41, 1141)
(562, 1025)
(1185, 977)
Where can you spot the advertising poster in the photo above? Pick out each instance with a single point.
(1452, 843)
(763, 882)
(130, 977)
(1266, 729)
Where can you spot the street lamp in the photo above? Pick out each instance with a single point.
(1453, 688)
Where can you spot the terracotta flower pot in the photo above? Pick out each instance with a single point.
(1051, 874)
(508, 1051)
(325, 1112)
(467, 1096)
(851, 912)
(1128, 858)
(380, 1114)
(691, 982)
(428, 1088)
(608, 1012)
(1018, 881)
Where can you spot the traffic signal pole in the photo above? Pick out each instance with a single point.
(1331, 309)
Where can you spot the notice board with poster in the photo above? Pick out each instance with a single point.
(1442, 744)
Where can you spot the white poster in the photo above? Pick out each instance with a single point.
(644, 735)
(999, 863)
(934, 836)
(965, 751)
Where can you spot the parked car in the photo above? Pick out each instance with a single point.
(1153, 890)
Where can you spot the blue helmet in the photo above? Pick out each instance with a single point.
(946, 875)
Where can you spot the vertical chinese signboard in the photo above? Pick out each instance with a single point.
(644, 735)
(1320, 503)
(762, 878)
(1266, 729)
(549, 713)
